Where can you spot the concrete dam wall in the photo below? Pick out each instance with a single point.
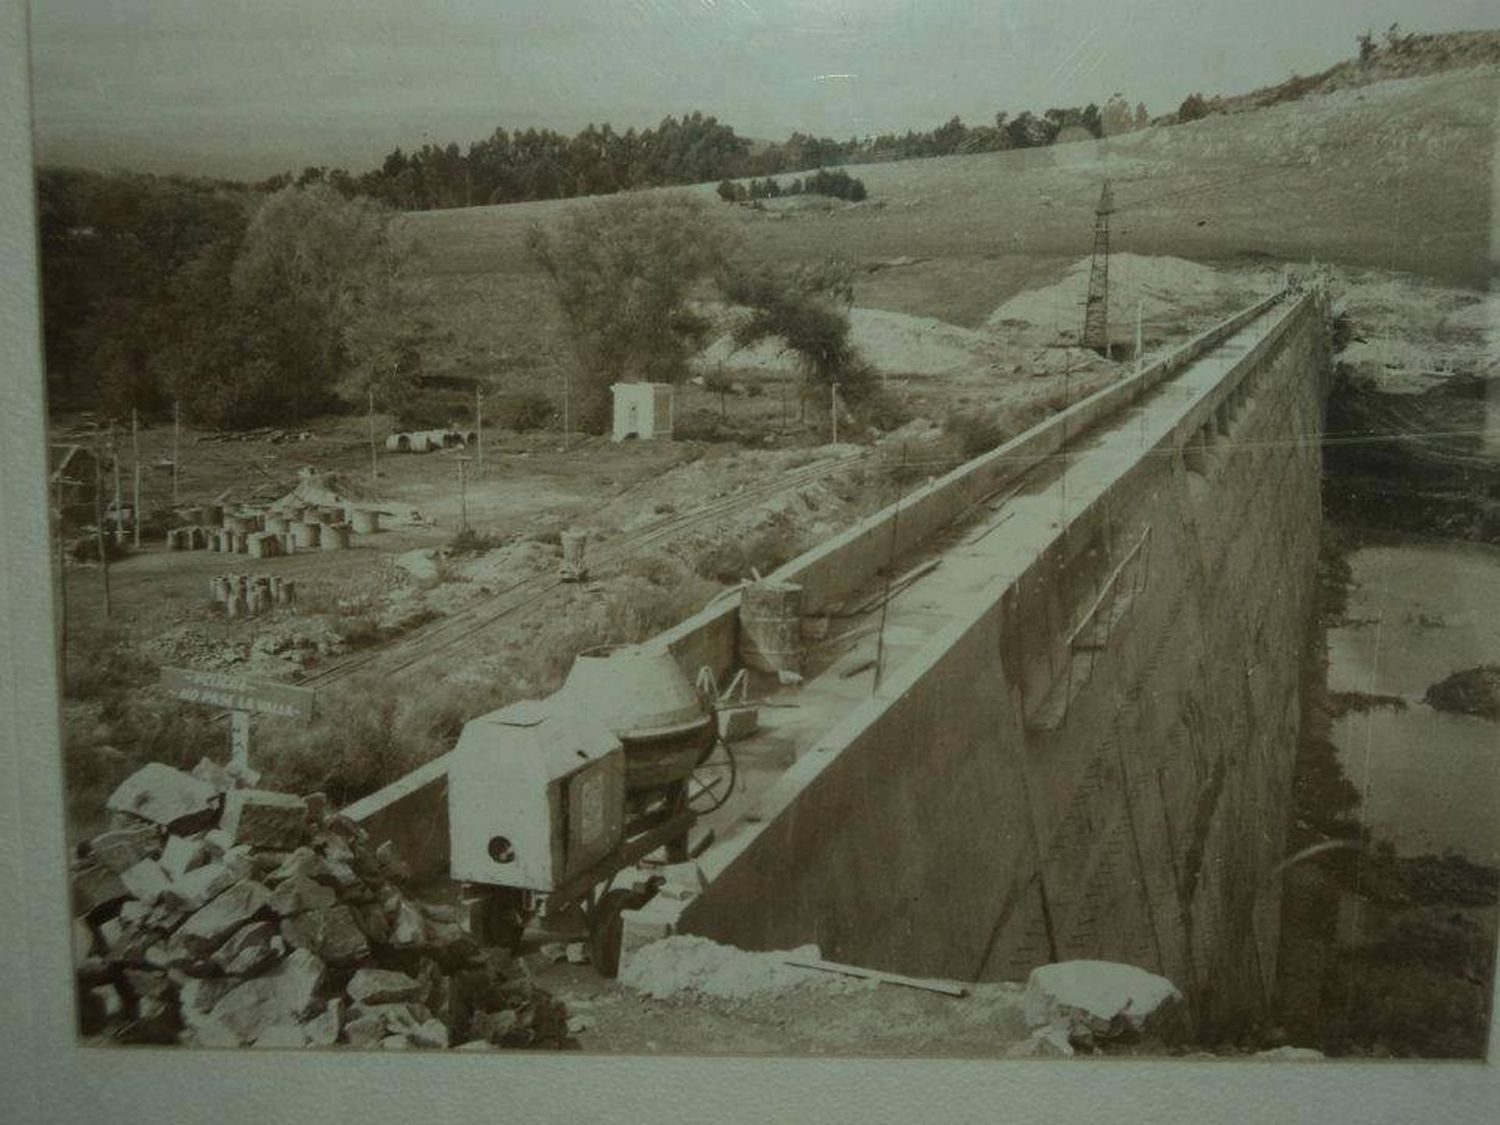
(1094, 759)
(1083, 746)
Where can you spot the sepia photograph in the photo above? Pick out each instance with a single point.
(770, 528)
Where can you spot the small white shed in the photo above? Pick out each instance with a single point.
(642, 410)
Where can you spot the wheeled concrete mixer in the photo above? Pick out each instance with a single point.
(549, 800)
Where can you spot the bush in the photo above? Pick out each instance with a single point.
(433, 410)
(883, 410)
(102, 663)
(1192, 108)
(763, 549)
(837, 183)
(524, 411)
(471, 542)
(975, 432)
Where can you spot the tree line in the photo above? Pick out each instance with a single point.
(523, 165)
(242, 306)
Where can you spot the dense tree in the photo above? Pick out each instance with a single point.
(111, 247)
(807, 309)
(622, 272)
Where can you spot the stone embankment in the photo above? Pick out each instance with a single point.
(216, 914)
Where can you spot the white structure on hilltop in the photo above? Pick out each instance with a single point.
(642, 410)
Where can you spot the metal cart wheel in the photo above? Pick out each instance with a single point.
(713, 779)
(607, 928)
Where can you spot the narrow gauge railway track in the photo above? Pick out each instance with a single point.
(414, 648)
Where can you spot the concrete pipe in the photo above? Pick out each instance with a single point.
(174, 541)
(218, 588)
(365, 521)
(263, 545)
(306, 534)
(335, 537)
(286, 592)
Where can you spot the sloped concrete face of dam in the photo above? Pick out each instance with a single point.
(1090, 754)
(1069, 729)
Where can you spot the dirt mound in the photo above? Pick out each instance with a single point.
(337, 490)
(1163, 288)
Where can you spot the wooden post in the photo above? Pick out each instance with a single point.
(135, 454)
(114, 467)
(374, 470)
(239, 740)
(176, 445)
(463, 501)
(890, 566)
(99, 533)
(1138, 338)
(566, 381)
(478, 430)
(833, 408)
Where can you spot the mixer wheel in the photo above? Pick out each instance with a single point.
(607, 928)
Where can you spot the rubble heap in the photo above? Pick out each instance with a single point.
(220, 915)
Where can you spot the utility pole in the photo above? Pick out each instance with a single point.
(463, 499)
(566, 381)
(135, 455)
(833, 408)
(176, 444)
(114, 467)
(99, 533)
(478, 429)
(374, 471)
(1139, 340)
(890, 565)
(1096, 307)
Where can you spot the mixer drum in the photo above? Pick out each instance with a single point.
(643, 697)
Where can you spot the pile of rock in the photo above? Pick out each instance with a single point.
(220, 915)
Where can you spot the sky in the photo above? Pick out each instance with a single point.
(251, 87)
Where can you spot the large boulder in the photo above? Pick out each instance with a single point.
(201, 885)
(120, 849)
(383, 986)
(286, 994)
(1103, 1000)
(205, 930)
(264, 819)
(299, 894)
(331, 932)
(162, 795)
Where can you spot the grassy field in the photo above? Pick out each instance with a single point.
(1392, 176)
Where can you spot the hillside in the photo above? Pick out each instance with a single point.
(1390, 176)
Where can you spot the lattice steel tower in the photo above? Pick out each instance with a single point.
(1096, 307)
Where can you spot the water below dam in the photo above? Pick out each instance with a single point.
(1429, 781)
